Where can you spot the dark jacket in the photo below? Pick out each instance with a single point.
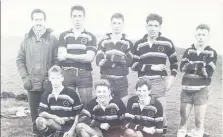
(35, 57)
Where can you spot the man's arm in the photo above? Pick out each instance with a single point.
(21, 65)
(21, 61)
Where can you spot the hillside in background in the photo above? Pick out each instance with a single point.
(10, 78)
(11, 82)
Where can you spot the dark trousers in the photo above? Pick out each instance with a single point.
(34, 98)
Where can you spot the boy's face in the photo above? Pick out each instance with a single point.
(117, 25)
(153, 28)
(202, 36)
(102, 93)
(143, 91)
(77, 18)
(56, 79)
(38, 21)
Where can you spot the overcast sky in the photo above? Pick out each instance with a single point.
(180, 18)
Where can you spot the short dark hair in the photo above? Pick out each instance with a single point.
(55, 69)
(154, 17)
(203, 26)
(141, 82)
(38, 11)
(77, 7)
(117, 15)
(102, 82)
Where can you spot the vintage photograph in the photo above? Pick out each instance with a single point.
(120, 68)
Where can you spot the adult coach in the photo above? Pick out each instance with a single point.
(149, 60)
(198, 63)
(77, 49)
(36, 55)
(114, 57)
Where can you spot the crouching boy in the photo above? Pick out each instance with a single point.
(103, 116)
(144, 114)
(59, 108)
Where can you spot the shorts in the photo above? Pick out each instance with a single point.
(158, 86)
(119, 86)
(197, 98)
(75, 77)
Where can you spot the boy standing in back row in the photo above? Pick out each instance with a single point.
(198, 64)
(114, 57)
(77, 49)
(149, 60)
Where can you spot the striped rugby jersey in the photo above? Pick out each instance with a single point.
(110, 56)
(150, 116)
(80, 45)
(94, 114)
(67, 105)
(195, 77)
(145, 56)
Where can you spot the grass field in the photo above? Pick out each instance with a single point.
(11, 82)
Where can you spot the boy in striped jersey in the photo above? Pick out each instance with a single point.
(144, 114)
(77, 49)
(198, 64)
(149, 60)
(59, 108)
(114, 57)
(103, 116)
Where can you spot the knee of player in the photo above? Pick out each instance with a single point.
(129, 133)
(80, 126)
(40, 122)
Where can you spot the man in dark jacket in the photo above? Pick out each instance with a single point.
(36, 55)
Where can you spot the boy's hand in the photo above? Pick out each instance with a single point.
(59, 120)
(105, 126)
(150, 130)
(159, 67)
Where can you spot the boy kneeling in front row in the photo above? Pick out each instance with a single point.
(144, 114)
(59, 108)
(103, 116)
